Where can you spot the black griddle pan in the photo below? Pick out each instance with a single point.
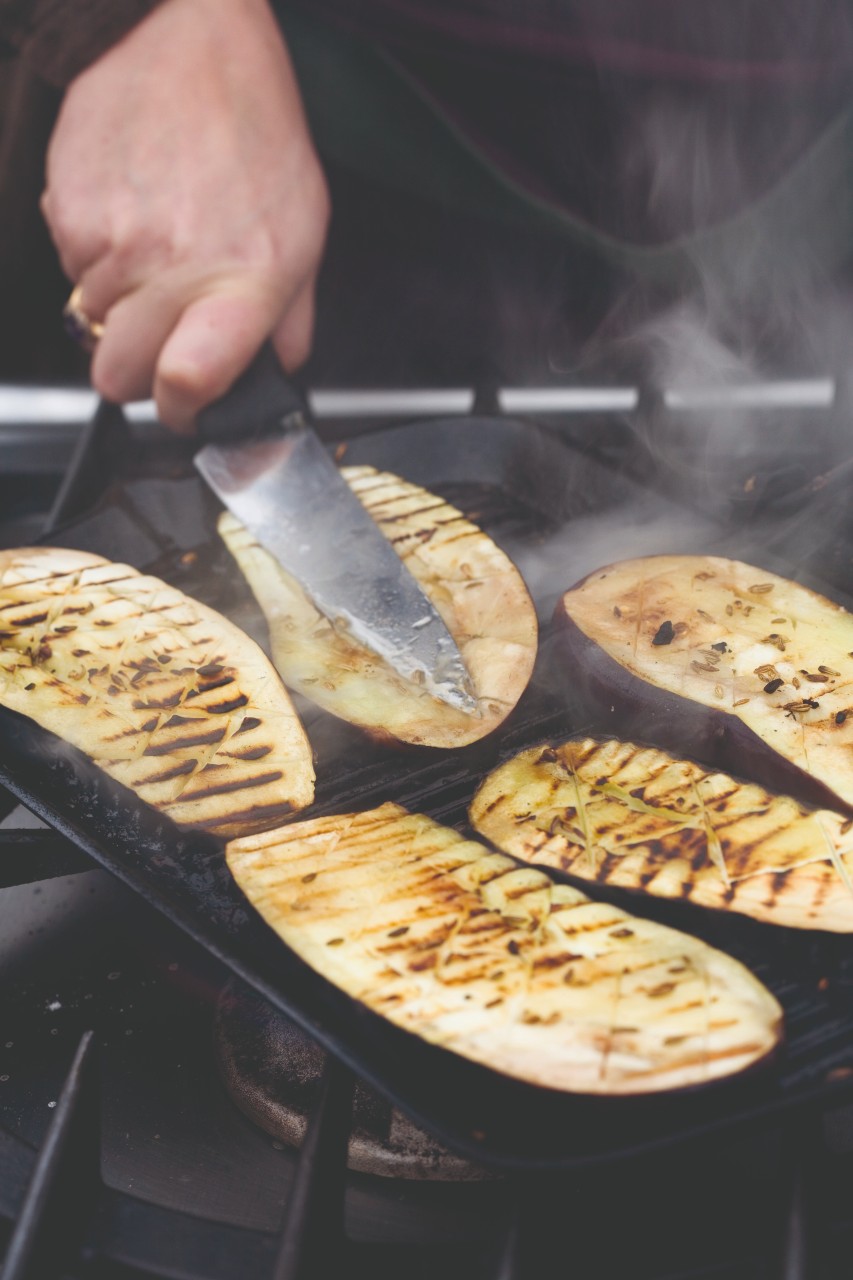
(165, 524)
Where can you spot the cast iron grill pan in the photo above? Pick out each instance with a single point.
(165, 525)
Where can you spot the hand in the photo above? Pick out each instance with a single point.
(185, 197)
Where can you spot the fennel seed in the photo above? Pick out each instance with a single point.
(776, 640)
(665, 634)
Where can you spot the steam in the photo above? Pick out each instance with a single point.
(741, 175)
(729, 417)
(649, 525)
(745, 361)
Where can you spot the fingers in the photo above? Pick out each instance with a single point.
(115, 276)
(214, 340)
(78, 244)
(187, 354)
(126, 356)
(195, 221)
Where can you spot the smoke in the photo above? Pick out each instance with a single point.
(744, 358)
(740, 188)
(645, 526)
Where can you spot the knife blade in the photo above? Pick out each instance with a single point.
(264, 461)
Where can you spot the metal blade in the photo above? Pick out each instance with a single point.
(290, 495)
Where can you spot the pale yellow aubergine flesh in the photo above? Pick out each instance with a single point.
(476, 589)
(774, 654)
(636, 818)
(496, 962)
(163, 693)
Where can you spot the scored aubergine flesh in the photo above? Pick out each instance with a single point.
(636, 818)
(498, 963)
(474, 586)
(723, 662)
(162, 693)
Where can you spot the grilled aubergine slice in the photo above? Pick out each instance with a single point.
(498, 963)
(637, 818)
(164, 694)
(722, 662)
(473, 585)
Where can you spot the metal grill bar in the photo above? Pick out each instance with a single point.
(313, 1244)
(83, 478)
(805, 393)
(509, 1262)
(27, 405)
(568, 399)
(794, 1265)
(384, 403)
(796, 1256)
(65, 1180)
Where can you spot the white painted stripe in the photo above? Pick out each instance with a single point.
(141, 411)
(806, 393)
(20, 405)
(46, 405)
(568, 399)
(380, 403)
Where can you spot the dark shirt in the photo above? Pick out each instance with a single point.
(769, 41)
(650, 119)
(777, 42)
(59, 38)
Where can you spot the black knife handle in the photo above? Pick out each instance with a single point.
(254, 406)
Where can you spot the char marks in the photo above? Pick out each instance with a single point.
(153, 686)
(672, 828)
(498, 963)
(472, 584)
(761, 666)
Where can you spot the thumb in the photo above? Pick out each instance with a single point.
(293, 335)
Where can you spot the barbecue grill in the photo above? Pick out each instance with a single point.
(119, 988)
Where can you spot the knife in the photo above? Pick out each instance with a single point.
(264, 461)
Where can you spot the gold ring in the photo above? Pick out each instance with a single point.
(77, 324)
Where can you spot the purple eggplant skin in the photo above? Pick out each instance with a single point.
(623, 705)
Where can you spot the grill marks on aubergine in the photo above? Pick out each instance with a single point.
(637, 818)
(163, 693)
(473, 584)
(498, 963)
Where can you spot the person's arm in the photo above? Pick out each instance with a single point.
(185, 197)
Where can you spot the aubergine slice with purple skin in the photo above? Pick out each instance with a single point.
(637, 818)
(496, 962)
(722, 662)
